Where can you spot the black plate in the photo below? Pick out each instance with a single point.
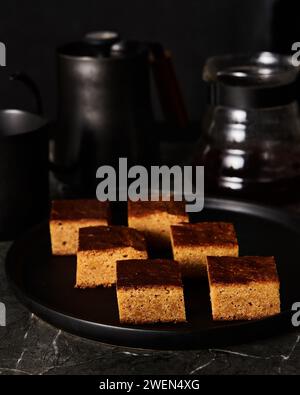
(45, 285)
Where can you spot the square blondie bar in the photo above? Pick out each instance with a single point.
(99, 249)
(154, 219)
(150, 291)
(67, 216)
(243, 288)
(191, 243)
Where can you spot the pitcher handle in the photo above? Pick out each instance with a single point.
(31, 85)
(167, 85)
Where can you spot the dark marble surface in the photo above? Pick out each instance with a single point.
(30, 346)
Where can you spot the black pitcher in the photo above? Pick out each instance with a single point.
(104, 104)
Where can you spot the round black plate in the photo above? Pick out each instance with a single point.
(45, 284)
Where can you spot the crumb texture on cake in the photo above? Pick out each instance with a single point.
(68, 216)
(145, 305)
(254, 301)
(98, 268)
(243, 288)
(154, 219)
(64, 234)
(192, 243)
(150, 291)
(99, 249)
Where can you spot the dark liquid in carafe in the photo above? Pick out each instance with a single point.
(267, 174)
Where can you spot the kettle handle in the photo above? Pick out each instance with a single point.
(31, 85)
(169, 91)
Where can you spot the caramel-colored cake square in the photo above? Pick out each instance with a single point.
(99, 249)
(67, 216)
(192, 243)
(243, 288)
(150, 291)
(155, 218)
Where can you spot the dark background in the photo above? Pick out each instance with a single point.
(191, 29)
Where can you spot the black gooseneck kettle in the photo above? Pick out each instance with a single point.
(104, 103)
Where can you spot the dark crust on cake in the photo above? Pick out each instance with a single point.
(148, 273)
(110, 237)
(241, 270)
(204, 234)
(141, 209)
(79, 209)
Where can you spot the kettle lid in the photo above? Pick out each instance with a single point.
(101, 38)
(102, 44)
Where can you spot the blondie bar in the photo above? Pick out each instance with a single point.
(150, 291)
(243, 288)
(99, 249)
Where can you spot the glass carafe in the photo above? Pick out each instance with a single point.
(250, 145)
